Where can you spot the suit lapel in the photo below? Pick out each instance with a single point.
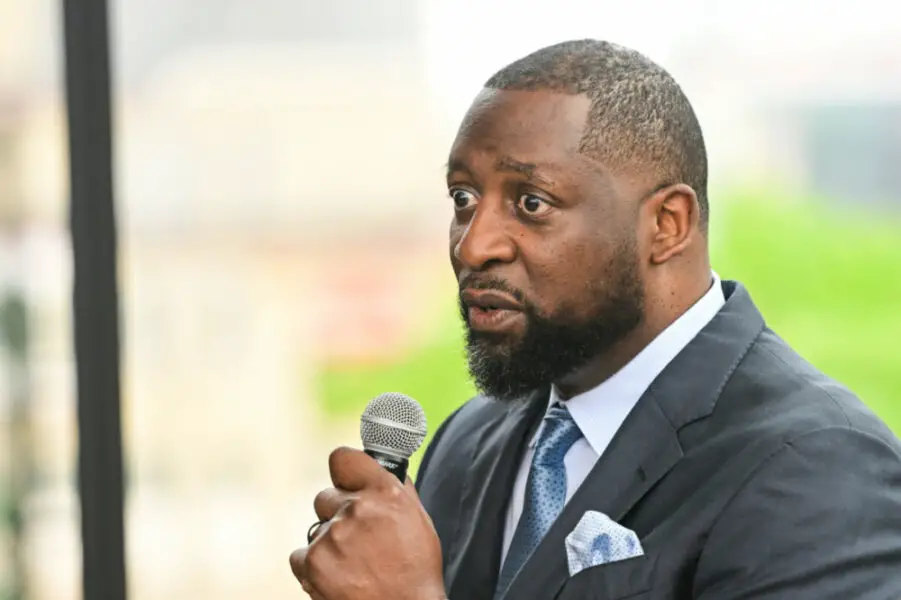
(643, 451)
(647, 446)
(496, 453)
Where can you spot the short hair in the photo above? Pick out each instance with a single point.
(639, 116)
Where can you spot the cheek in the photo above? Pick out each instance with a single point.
(556, 275)
(456, 234)
(569, 277)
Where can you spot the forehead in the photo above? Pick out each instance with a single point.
(528, 126)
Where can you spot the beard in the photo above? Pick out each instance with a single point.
(555, 345)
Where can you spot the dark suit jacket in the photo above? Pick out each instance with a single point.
(745, 472)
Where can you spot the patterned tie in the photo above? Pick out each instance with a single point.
(545, 491)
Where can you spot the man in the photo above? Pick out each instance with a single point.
(641, 432)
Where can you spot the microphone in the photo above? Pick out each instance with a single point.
(392, 428)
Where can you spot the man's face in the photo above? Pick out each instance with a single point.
(544, 251)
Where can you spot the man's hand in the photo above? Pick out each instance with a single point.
(378, 542)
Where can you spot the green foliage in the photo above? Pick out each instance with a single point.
(828, 282)
(435, 374)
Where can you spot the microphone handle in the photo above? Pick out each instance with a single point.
(394, 465)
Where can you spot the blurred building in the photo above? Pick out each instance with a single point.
(278, 182)
(825, 118)
(279, 178)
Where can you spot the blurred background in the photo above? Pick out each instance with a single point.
(283, 222)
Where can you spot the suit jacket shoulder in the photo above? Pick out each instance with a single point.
(810, 501)
(775, 395)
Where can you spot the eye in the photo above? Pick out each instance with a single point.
(532, 205)
(462, 198)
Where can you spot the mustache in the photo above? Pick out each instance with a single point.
(474, 282)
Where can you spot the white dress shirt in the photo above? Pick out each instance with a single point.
(600, 411)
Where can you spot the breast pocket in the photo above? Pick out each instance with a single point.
(618, 580)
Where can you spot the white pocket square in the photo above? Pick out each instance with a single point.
(597, 540)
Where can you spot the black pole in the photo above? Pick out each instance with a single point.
(96, 310)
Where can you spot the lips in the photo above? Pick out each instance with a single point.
(490, 311)
(489, 300)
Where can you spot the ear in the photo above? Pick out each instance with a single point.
(676, 216)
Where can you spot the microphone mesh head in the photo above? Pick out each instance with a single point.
(393, 423)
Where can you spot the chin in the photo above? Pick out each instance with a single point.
(494, 345)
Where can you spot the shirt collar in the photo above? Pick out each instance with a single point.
(600, 411)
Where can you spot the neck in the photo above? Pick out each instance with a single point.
(661, 311)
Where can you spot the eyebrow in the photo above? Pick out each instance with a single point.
(504, 163)
(457, 166)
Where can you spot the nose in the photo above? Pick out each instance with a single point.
(486, 239)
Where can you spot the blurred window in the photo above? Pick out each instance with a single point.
(853, 152)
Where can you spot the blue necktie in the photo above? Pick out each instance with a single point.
(545, 491)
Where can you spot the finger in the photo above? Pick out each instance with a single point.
(353, 470)
(311, 591)
(411, 487)
(298, 560)
(318, 530)
(328, 502)
(308, 588)
(300, 569)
